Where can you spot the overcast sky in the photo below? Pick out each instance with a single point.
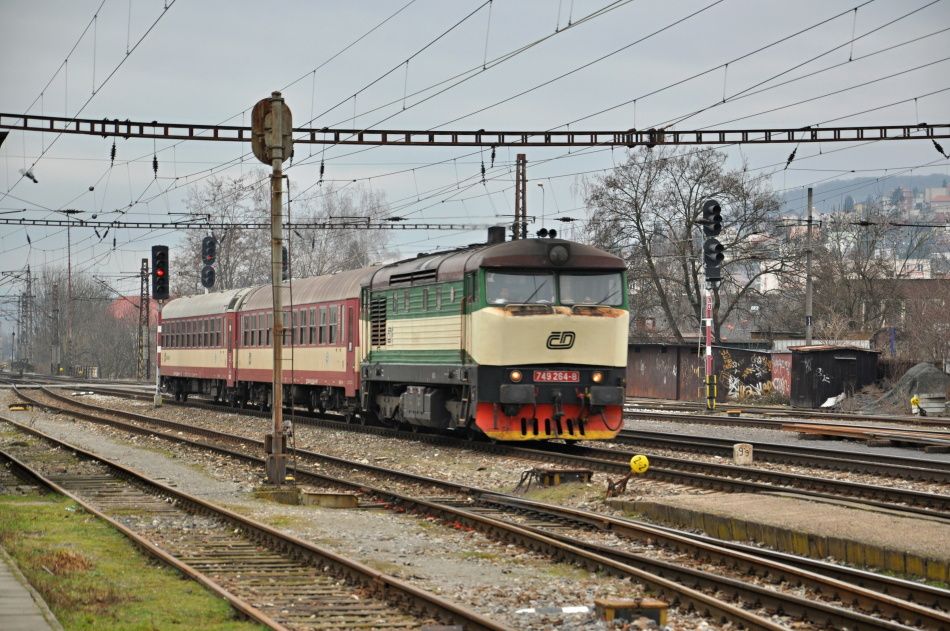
(208, 62)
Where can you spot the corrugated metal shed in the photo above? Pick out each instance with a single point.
(783, 345)
(823, 371)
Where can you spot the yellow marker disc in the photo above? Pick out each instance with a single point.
(639, 464)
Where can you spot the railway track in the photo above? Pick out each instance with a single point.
(275, 579)
(879, 464)
(797, 413)
(681, 471)
(481, 509)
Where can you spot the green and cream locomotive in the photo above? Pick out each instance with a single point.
(518, 340)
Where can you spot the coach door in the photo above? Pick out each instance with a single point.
(349, 338)
(229, 336)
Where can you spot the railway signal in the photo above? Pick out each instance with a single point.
(160, 272)
(712, 260)
(208, 250)
(208, 247)
(207, 277)
(712, 218)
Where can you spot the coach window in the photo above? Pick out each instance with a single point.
(333, 323)
(344, 325)
(293, 327)
(302, 326)
(313, 325)
(218, 322)
(323, 325)
(269, 328)
(207, 332)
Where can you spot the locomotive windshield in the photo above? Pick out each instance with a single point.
(572, 289)
(591, 289)
(502, 289)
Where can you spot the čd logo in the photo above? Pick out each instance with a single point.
(561, 340)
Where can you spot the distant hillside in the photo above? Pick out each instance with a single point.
(830, 196)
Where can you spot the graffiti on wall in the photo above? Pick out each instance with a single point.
(782, 374)
(746, 376)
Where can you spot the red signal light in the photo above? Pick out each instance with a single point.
(159, 272)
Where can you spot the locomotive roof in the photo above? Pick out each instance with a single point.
(519, 254)
(214, 303)
(339, 286)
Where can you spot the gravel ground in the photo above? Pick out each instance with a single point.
(493, 578)
(399, 544)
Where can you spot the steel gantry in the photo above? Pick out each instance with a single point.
(479, 138)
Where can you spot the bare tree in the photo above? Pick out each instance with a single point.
(646, 210)
(243, 255)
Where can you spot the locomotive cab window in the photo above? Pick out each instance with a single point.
(591, 289)
(503, 288)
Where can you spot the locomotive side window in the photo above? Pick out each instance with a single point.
(405, 300)
(438, 297)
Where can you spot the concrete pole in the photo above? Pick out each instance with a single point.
(276, 460)
(157, 399)
(710, 390)
(808, 288)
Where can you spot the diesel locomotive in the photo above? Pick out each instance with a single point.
(517, 340)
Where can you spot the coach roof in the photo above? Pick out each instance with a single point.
(200, 305)
(339, 286)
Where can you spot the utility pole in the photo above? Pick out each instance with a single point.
(143, 371)
(26, 323)
(272, 143)
(55, 353)
(808, 288)
(520, 230)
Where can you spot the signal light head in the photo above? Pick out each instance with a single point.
(712, 218)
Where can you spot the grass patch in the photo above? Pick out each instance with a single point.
(476, 554)
(562, 492)
(93, 578)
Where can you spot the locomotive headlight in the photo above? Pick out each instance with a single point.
(597, 377)
(515, 376)
(559, 254)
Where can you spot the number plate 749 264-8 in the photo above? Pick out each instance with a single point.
(557, 376)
